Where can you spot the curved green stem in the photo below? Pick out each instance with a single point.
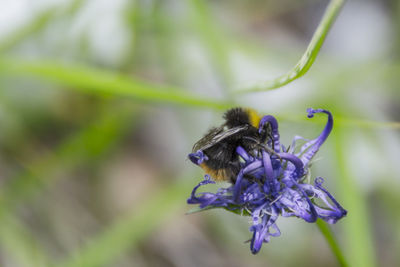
(330, 238)
(310, 54)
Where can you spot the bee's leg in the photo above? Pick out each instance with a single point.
(242, 153)
(268, 135)
(251, 167)
(274, 130)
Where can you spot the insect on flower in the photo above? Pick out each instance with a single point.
(267, 179)
(216, 151)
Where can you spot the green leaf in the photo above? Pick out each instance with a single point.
(309, 55)
(237, 210)
(231, 208)
(198, 209)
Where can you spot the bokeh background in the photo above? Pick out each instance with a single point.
(93, 167)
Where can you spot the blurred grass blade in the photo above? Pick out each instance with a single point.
(358, 234)
(361, 123)
(310, 54)
(103, 249)
(38, 23)
(73, 7)
(20, 244)
(104, 82)
(32, 27)
(330, 238)
(212, 39)
(88, 143)
(389, 198)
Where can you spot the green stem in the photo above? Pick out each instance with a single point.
(309, 55)
(330, 238)
(358, 232)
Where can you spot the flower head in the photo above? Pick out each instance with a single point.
(272, 181)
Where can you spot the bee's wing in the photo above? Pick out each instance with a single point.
(216, 135)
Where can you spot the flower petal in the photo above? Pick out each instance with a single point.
(198, 157)
(313, 146)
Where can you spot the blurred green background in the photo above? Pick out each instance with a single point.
(101, 101)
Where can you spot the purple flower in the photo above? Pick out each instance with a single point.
(273, 183)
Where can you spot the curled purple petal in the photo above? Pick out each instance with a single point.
(269, 172)
(198, 157)
(261, 230)
(296, 203)
(315, 144)
(250, 167)
(338, 211)
(242, 153)
(296, 162)
(194, 198)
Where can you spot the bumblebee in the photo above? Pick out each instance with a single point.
(241, 128)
